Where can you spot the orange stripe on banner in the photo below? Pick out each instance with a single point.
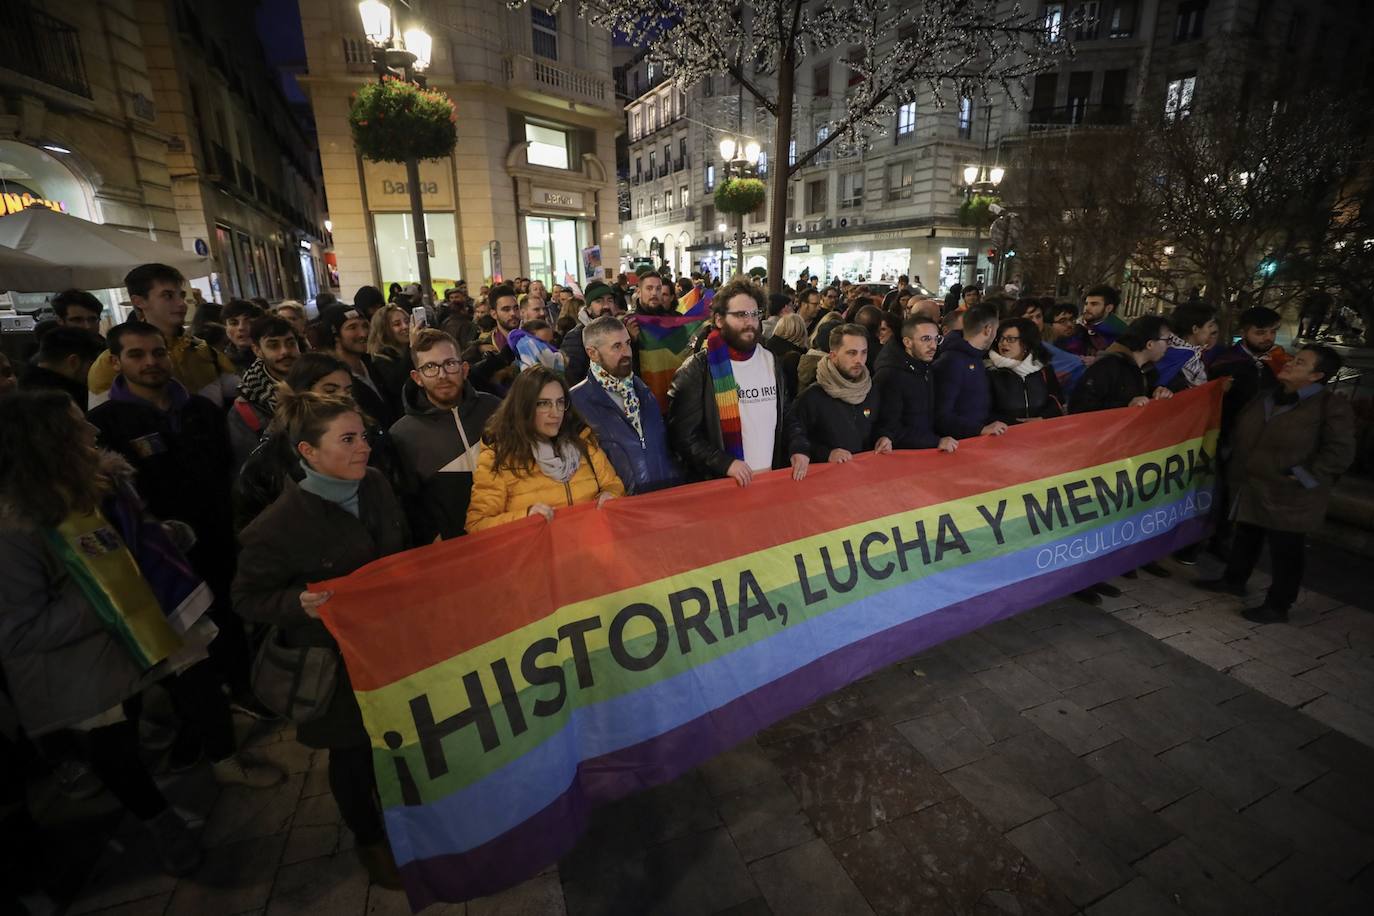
(510, 576)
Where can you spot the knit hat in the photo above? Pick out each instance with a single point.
(368, 299)
(596, 290)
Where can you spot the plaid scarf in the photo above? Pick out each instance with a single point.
(727, 394)
(623, 388)
(258, 387)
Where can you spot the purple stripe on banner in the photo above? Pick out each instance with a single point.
(548, 835)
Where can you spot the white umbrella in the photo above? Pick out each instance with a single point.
(42, 250)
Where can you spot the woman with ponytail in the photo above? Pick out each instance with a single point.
(341, 515)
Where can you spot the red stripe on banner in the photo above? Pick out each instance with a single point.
(462, 593)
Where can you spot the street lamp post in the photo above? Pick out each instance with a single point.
(408, 61)
(741, 158)
(980, 179)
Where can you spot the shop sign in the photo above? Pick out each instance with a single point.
(202, 249)
(15, 203)
(550, 197)
(800, 249)
(387, 188)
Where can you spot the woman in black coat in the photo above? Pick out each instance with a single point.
(341, 516)
(788, 344)
(1024, 386)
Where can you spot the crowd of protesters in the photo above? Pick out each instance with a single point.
(256, 451)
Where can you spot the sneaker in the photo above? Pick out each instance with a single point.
(1155, 569)
(1266, 613)
(1104, 588)
(178, 850)
(380, 865)
(76, 781)
(241, 770)
(1221, 586)
(1188, 555)
(248, 705)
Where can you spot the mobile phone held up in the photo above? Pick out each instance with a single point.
(419, 318)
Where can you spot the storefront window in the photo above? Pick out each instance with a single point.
(396, 249)
(554, 248)
(248, 276)
(229, 266)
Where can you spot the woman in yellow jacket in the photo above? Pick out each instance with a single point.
(537, 454)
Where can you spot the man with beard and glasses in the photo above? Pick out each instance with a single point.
(438, 440)
(727, 405)
(621, 409)
(838, 415)
(276, 347)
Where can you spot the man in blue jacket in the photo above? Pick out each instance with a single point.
(963, 399)
(622, 410)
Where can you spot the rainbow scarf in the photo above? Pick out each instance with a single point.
(727, 394)
(665, 342)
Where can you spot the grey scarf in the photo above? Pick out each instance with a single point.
(839, 387)
(560, 465)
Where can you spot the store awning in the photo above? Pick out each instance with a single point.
(43, 251)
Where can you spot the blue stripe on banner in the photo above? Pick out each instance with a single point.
(507, 797)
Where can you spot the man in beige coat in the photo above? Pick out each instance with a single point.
(1290, 446)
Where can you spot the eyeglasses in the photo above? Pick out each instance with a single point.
(448, 366)
(1007, 338)
(746, 316)
(559, 405)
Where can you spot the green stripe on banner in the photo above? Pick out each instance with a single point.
(951, 548)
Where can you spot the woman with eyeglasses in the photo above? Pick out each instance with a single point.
(1024, 386)
(537, 455)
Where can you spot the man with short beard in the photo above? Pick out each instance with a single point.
(490, 374)
(649, 296)
(347, 333)
(533, 308)
(179, 448)
(437, 441)
(838, 415)
(727, 405)
(906, 408)
(276, 347)
(600, 301)
(621, 408)
(810, 307)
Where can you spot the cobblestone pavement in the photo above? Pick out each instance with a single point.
(1156, 755)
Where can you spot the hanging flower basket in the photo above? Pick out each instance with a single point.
(975, 211)
(394, 120)
(739, 195)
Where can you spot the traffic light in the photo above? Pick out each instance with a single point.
(992, 254)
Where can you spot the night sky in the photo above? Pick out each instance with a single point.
(283, 43)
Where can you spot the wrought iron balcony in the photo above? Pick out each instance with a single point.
(1071, 116)
(42, 47)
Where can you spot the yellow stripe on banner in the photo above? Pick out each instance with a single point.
(660, 360)
(773, 568)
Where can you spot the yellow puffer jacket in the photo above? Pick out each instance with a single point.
(504, 496)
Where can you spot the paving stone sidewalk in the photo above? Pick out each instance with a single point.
(1156, 755)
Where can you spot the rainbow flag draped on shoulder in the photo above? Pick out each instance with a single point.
(665, 341)
(514, 679)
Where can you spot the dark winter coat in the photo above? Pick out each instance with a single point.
(1015, 398)
(391, 373)
(694, 422)
(963, 399)
(827, 423)
(300, 539)
(1286, 459)
(1250, 379)
(788, 355)
(183, 468)
(906, 407)
(435, 468)
(1113, 380)
(642, 465)
(36, 377)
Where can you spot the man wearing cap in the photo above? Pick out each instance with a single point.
(347, 330)
(600, 301)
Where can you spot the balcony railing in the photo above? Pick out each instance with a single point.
(42, 47)
(662, 218)
(525, 72)
(1071, 116)
(357, 54)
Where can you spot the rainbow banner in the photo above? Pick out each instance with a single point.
(665, 342)
(513, 679)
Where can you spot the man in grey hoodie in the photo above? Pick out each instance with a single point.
(438, 438)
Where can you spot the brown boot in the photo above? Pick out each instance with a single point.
(380, 865)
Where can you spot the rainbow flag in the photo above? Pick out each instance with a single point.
(638, 640)
(665, 342)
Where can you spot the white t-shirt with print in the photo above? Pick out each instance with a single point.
(758, 407)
